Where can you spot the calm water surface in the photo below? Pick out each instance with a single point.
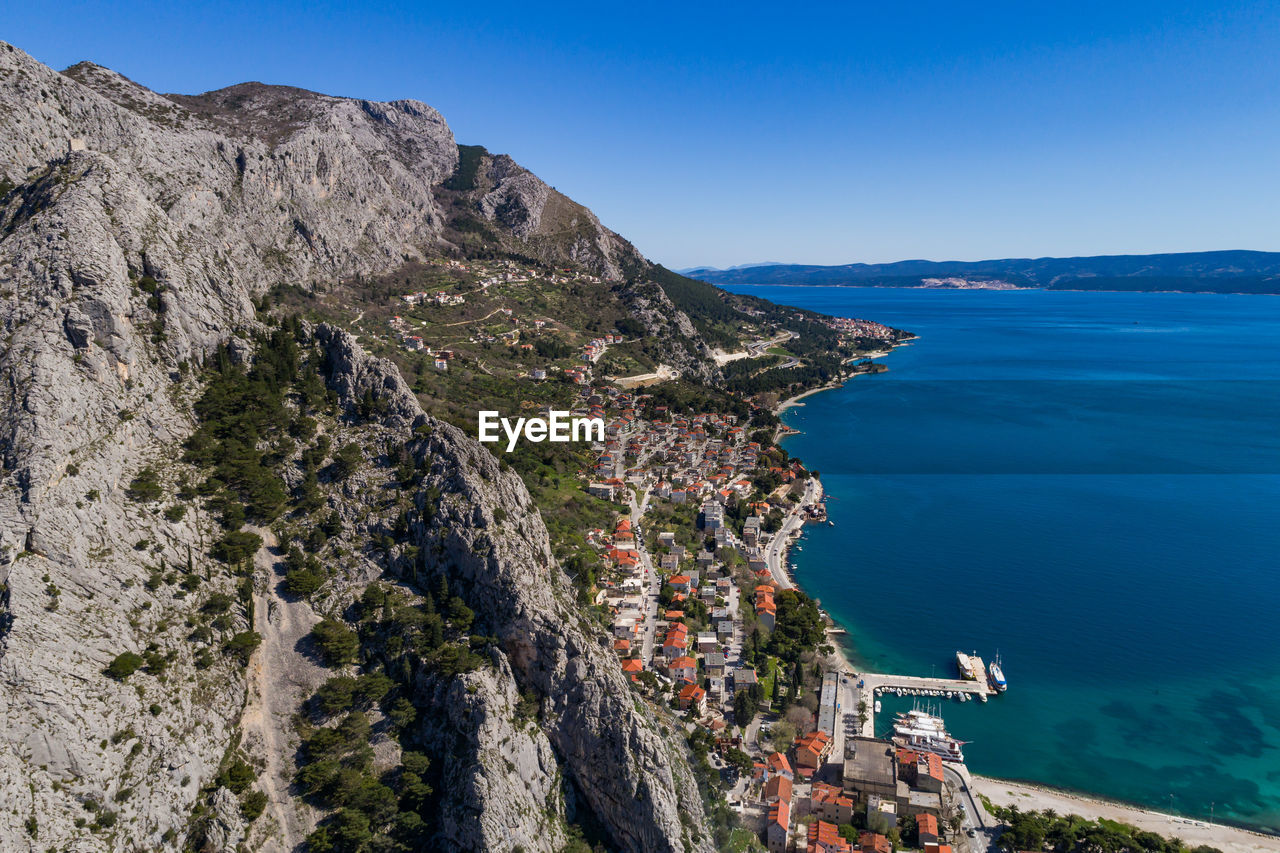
(1088, 483)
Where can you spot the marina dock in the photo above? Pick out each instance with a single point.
(910, 685)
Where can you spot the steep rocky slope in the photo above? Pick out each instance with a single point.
(478, 527)
(137, 233)
(512, 207)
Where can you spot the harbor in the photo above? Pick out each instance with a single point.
(871, 685)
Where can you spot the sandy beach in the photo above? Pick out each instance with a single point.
(1193, 832)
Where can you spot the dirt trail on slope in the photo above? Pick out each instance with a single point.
(280, 678)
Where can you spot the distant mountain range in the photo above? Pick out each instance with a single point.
(1236, 271)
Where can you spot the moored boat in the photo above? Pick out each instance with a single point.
(921, 731)
(997, 675)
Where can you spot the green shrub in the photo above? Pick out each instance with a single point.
(236, 776)
(347, 461)
(303, 574)
(124, 665)
(372, 686)
(145, 487)
(337, 643)
(242, 645)
(402, 713)
(252, 805)
(302, 582)
(217, 603)
(348, 831)
(237, 546)
(336, 694)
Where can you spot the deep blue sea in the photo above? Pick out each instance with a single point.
(1088, 483)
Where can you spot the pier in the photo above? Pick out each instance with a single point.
(930, 688)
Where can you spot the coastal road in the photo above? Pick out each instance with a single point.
(986, 829)
(791, 525)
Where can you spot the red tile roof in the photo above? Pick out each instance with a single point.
(778, 763)
(777, 788)
(822, 793)
(873, 842)
(780, 814)
(825, 838)
(692, 693)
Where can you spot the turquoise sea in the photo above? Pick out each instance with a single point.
(1088, 483)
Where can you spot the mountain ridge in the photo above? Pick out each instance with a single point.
(137, 239)
(1222, 271)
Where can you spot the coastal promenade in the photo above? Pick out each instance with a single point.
(776, 552)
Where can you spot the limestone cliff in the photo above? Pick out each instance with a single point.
(138, 230)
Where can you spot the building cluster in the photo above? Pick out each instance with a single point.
(440, 297)
(881, 785)
(691, 643)
(808, 793)
(593, 349)
(854, 328)
(487, 274)
(415, 343)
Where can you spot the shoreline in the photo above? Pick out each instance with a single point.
(1028, 796)
(1229, 838)
(725, 286)
(792, 402)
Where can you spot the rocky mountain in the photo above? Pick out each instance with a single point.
(492, 201)
(1196, 272)
(136, 231)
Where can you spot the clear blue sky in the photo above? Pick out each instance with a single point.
(820, 134)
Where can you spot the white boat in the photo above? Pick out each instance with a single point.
(996, 674)
(918, 730)
(965, 664)
(877, 706)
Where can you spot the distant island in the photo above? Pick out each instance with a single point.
(1234, 271)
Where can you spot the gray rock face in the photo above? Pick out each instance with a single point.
(670, 327)
(476, 524)
(213, 215)
(141, 229)
(505, 782)
(547, 224)
(485, 534)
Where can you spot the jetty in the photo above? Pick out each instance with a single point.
(872, 684)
